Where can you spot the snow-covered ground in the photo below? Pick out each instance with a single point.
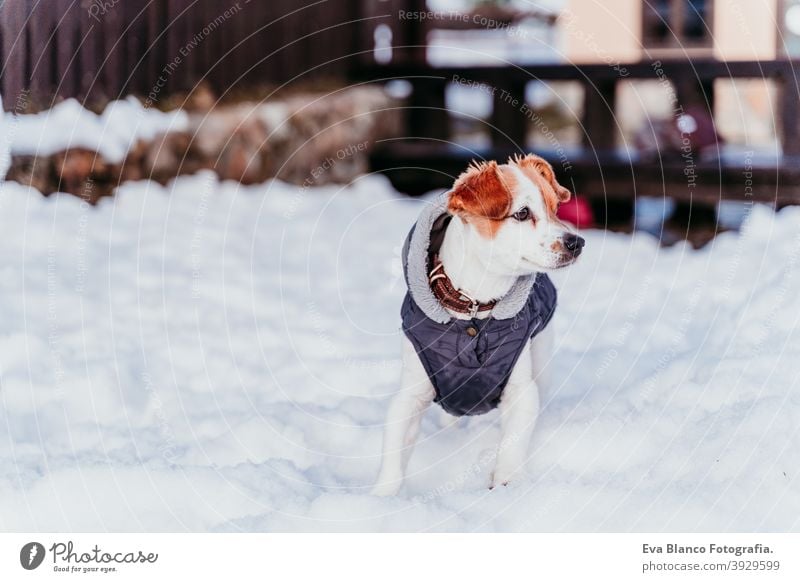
(208, 356)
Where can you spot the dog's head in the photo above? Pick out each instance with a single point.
(513, 208)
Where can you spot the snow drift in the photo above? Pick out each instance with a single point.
(111, 134)
(209, 356)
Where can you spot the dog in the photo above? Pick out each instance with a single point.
(478, 303)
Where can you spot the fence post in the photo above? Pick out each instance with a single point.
(509, 125)
(413, 33)
(427, 114)
(599, 124)
(600, 137)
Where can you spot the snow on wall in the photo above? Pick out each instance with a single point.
(69, 125)
(208, 356)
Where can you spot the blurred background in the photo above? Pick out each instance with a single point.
(651, 111)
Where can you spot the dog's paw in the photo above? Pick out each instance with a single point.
(386, 489)
(500, 478)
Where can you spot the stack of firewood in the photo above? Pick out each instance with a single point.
(306, 139)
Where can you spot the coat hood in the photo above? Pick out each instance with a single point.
(424, 239)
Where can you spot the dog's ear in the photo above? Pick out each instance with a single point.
(480, 191)
(532, 163)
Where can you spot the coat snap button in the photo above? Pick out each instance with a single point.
(472, 332)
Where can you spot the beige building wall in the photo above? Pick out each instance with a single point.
(601, 31)
(745, 30)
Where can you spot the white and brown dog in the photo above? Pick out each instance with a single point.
(479, 299)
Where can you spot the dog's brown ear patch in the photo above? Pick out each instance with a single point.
(536, 169)
(481, 191)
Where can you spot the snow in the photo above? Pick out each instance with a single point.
(211, 357)
(112, 133)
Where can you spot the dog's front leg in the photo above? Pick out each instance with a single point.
(542, 349)
(519, 408)
(403, 422)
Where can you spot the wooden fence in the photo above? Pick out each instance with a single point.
(96, 50)
(429, 157)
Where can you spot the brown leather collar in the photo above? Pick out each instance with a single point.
(449, 296)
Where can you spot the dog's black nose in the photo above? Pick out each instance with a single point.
(573, 243)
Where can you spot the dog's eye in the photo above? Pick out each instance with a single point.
(522, 214)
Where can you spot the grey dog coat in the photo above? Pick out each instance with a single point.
(468, 370)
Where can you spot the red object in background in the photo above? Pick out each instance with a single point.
(577, 211)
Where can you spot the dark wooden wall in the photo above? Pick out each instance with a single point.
(96, 50)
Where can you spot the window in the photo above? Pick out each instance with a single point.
(789, 29)
(676, 24)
